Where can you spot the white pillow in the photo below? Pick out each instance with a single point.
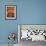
(41, 32)
(24, 33)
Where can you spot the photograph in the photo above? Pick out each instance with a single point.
(10, 12)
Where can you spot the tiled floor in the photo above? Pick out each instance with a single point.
(9, 45)
(30, 43)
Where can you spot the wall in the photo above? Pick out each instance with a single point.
(28, 12)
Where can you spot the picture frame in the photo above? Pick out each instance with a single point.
(10, 12)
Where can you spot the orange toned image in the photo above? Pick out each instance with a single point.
(10, 12)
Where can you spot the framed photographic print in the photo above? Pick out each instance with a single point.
(10, 12)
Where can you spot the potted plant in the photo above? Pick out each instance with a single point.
(11, 37)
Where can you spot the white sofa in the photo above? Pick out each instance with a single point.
(34, 37)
